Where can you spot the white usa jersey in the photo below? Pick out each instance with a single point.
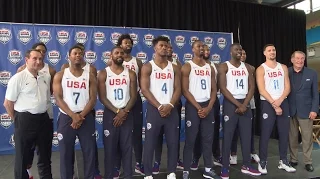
(200, 82)
(46, 73)
(273, 81)
(86, 67)
(215, 70)
(118, 88)
(162, 82)
(237, 80)
(133, 65)
(75, 90)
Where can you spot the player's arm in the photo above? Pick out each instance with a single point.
(102, 92)
(287, 88)
(12, 93)
(179, 64)
(66, 65)
(251, 86)
(185, 72)
(58, 94)
(52, 72)
(177, 85)
(92, 96)
(133, 91)
(145, 85)
(21, 68)
(222, 71)
(140, 64)
(213, 94)
(261, 85)
(93, 70)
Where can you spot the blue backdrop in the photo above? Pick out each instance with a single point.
(15, 39)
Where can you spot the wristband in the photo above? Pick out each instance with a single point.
(159, 106)
(118, 110)
(171, 105)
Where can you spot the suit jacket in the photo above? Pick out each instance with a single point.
(304, 99)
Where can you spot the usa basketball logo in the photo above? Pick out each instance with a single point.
(5, 77)
(215, 58)
(148, 39)
(208, 41)
(99, 38)
(63, 37)
(193, 39)
(99, 116)
(106, 55)
(11, 141)
(14, 56)
(180, 41)
(55, 140)
(222, 43)
(187, 57)
(81, 37)
(44, 36)
(175, 55)
(90, 57)
(142, 56)
(53, 57)
(114, 37)
(5, 120)
(24, 36)
(135, 38)
(53, 100)
(5, 35)
(167, 36)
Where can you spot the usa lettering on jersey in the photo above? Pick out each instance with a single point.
(202, 72)
(117, 82)
(275, 74)
(130, 66)
(161, 75)
(238, 72)
(76, 84)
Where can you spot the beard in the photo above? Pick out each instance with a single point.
(206, 57)
(127, 50)
(118, 61)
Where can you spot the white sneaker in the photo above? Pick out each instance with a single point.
(171, 176)
(255, 157)
(233, 160)
(286, 166)
(148, 177)
(262, 167)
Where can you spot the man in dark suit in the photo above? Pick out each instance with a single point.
(304, 106)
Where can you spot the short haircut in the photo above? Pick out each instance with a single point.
(160, 38)
(267, 45)
(75, 47)
(235, 44)
(28, 52)
(194, 42)
(34, 46)
(115, 47)
(122, 37)
(299, 52)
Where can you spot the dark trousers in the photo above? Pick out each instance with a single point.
(171, 130)
(236, 135)
(158, 151)
(205, 127)
(114, 136)
(30, 130)
(197, 150)
(67, 136)
(268, 119)
(231, 121)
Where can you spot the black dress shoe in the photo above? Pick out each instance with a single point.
(293, 164)
(309, 167)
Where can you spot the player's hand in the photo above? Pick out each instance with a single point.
(77, 120)
(122, 114)
(117, 121)
(277, 103)
(204, 112)
(166, 110)
(160, 110)
(241, 109)
(278, 111)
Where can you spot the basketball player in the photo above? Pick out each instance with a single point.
(88, 67)
(236, 83)
(254, 155)
(160, 84)
(158, 151)
(199, 88)
(118, 93)
(75, 90)
(274, 87)
(134, 64)
(217, 160)
(49, 73)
